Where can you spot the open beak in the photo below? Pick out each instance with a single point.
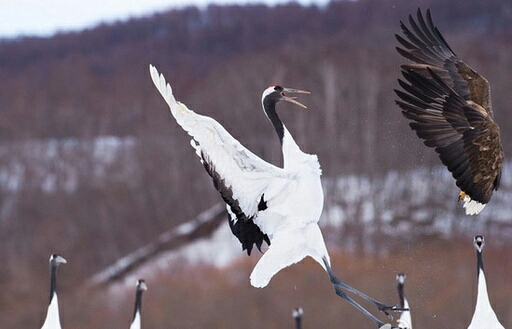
(292, 99)
(61, 260)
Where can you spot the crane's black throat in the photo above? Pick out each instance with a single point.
(269, 105)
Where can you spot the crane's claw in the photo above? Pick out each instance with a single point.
(385, 309)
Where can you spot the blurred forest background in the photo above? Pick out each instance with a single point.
(93, 166)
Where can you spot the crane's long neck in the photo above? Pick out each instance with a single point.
(482, 297)
(297, 315)
(483, 308)
(290, 149)
(480, 275)
(53, 281)
(401, 294)
(298, 322)
(479, 262)
(269, 106)
(138, 302)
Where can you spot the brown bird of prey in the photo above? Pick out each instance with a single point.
(449, 105)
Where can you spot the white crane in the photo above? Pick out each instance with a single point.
(280, 206)
(52, 320)
(405, 320)
(297, 315)
(484, 316)
(140, 288)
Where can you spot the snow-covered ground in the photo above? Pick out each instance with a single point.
(418, 201)
(57, 164)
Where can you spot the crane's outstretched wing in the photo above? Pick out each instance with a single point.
(246, 182)
(450, 106)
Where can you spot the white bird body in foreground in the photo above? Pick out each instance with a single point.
(484, 316)
(265, 203)
(52, 320)
(141, 287)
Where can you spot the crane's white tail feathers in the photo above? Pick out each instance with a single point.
(472, 207)
(288, 247)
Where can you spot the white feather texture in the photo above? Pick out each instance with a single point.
(293, 194)
(405, 320)
(472, 207)
(136, 324)
(484, 316)
(288, 247)
(52, 320)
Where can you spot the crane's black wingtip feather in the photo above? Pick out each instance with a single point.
(243, 226)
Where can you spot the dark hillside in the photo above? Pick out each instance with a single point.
(98, 78)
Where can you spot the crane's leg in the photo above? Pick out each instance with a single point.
(339, 288)
(339, 291)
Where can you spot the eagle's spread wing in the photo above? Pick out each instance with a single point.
(427, 48)
(449, 104)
